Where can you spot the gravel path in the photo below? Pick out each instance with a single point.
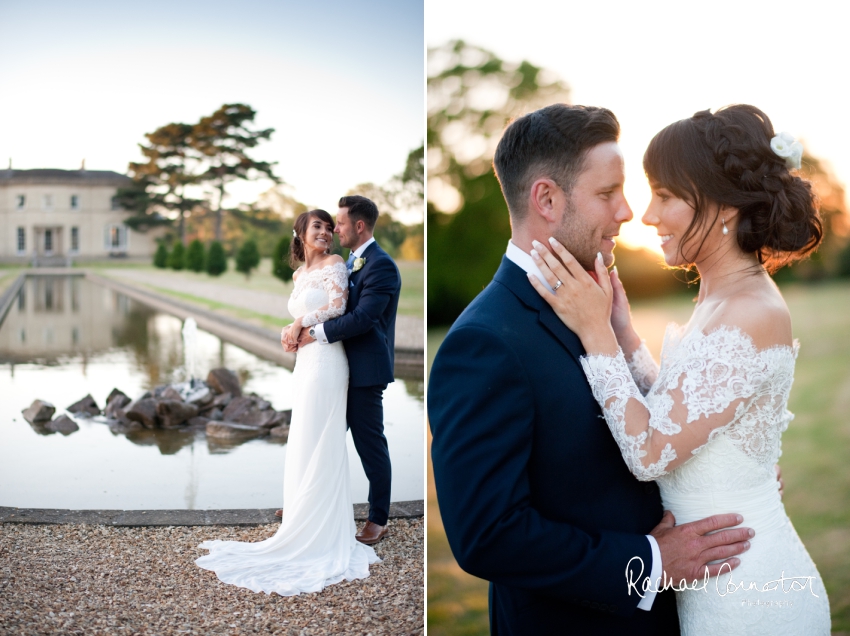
(410, 330)
(94, 579)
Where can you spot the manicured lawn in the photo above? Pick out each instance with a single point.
(412, 301)
(814, 462)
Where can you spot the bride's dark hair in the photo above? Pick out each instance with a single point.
(726, 158)
(296, 247)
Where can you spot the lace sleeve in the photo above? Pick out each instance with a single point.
(335, 283)
(643, 368)
(708, 385)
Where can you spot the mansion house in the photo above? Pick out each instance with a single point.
(53, 217)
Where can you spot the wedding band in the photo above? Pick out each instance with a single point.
(558, 284)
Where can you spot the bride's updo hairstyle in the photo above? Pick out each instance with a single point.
(296, 247)
(726, 158)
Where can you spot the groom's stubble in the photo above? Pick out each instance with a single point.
(574, 233)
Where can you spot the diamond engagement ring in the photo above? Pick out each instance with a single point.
(558, 284)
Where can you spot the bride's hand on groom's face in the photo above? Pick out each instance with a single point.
(582, 303)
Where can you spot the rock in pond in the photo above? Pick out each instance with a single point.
(39, 411)
(144, 411)
(198, 423)
(86, 406)
(279, 432)
(63, 424)
(170, 393)
(115, 406)
(238, 408)
(115, 392)
(233, 431)
(172, 413)
(219, 402)
(281, 417)
(264, 419)
(223, 380)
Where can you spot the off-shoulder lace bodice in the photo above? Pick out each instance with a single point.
(708, 385)
(320, 295)
(706, 425)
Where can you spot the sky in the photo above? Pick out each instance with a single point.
(655, 62)
(340, 82)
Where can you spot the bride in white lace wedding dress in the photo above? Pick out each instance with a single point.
(706, 424)
(314, 545)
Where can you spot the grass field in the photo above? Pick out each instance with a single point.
(814, 462)
(411, 303)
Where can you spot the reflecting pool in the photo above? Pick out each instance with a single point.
(65, 337)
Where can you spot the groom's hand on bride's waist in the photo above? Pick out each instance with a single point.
(687, 549)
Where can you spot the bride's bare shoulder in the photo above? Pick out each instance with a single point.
(762, 314)
(333, 259)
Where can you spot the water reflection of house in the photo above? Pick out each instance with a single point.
(58, 316)
(51, 216)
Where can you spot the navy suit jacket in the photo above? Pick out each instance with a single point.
(367, 328)
(533, 492)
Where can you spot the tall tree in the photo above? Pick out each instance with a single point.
(472, 95)
(161, 182)
(224, 139)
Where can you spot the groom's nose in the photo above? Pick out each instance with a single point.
(624, 212)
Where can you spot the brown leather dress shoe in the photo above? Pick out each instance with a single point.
(278, 513)
(371, 533)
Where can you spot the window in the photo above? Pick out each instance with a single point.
(48, 241)
(48, 201)
(114, 204)
(75, 239)
(75, 202)
(116, 238)
(20, 201)
(22, 241)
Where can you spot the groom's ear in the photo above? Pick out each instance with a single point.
(545, 200)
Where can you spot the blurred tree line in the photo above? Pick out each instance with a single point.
(182, 183)
(472, 95)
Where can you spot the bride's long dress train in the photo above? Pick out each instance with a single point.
(314, 545)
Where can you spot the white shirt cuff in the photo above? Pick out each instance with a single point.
(321, 338)
(654, 576)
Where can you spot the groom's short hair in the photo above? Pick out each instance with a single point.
(360, 209)
(549, 143)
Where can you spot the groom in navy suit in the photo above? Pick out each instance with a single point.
(367, 330)
(533, 493)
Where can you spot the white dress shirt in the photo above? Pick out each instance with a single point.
(319, 329)
(524, 261)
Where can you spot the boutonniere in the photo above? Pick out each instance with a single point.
(358, 263)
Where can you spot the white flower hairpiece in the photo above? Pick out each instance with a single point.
(787, 147)
(294, 233)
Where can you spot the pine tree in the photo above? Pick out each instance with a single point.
(160, 259)
(247, 258)
(195, 256)
(216, 259)
(177, 260)
(280, 260)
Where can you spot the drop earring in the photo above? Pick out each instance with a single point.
(725, 229)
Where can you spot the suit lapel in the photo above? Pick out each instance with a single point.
(366, 253)
(515, 279)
